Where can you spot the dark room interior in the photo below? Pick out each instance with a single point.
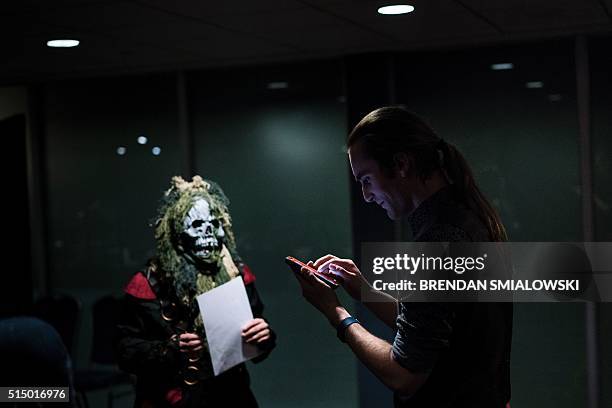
(259, 96)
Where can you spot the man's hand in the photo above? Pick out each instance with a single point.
(321, 296)
(374, 352)
(191, 344)
(350, 275)
(256, 331)
(381, 304)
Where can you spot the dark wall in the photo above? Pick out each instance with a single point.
(16, 293)
(522, 144)
(601, 125)
(100, 203)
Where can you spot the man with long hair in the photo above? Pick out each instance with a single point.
(444, 354)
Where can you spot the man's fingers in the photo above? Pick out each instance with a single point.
(252, 323)
(259, 337)
(347, 264)
(303, 278)
(191, 340)
(263, 339)
(323, 260)
(337, 269)
(307, 275)
(306, 279)
(254, 329)
(188, 336)
(314, 280)
(190, 344)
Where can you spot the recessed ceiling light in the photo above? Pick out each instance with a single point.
(142, 140)
(534, 85)
(278, 85)
(62, 43)
(502, 66)
(121, 150)
(156, 151)
(396, 9)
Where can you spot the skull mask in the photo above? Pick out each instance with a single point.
(203, 233)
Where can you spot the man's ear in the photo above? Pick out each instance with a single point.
(403, 164)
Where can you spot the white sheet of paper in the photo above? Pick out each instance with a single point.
(225, 310)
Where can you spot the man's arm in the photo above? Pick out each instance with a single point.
(377, 355)
(384, 306)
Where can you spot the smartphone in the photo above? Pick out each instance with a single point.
(296, 265)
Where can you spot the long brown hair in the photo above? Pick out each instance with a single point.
(390, 130)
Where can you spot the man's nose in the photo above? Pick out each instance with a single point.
(367, 195)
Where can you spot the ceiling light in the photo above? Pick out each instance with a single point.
(502, 66)
(142, 140)
(62, 43)
(396, 9)
(278, 85)
(534, 84)
(156, 151)
(121, 150)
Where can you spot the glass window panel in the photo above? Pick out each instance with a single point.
(518, 130)
(601, 131)
(273, 138)
(100, 202)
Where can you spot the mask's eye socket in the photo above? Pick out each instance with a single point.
(216, 223)
(197, 223)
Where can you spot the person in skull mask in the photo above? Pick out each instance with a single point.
(160, 334)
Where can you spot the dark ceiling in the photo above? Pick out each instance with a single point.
(123, 36)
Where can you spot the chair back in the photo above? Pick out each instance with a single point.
(61, 312)
(105, 316)
(33, 354)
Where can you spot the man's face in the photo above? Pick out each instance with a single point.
(388, 191)
(202, 232)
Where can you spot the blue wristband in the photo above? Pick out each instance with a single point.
(344, 324)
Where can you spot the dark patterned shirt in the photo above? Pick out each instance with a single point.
(465, 347)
